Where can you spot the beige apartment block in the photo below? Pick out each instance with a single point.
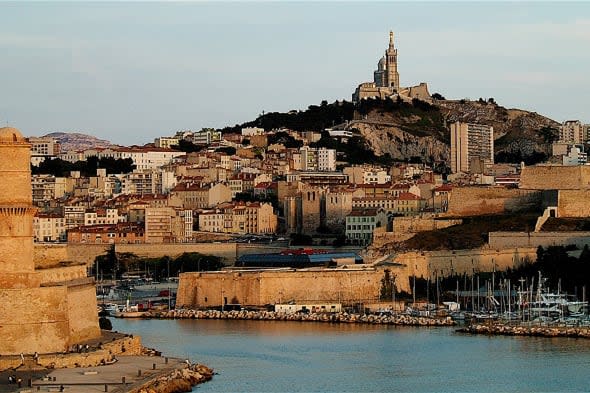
(573, 132)
(196, 196)
(240, 218)
(46, 188)
(471, 144)
(49, 228)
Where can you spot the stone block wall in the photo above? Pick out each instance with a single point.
(573, 203)
(536, 239)
(404, 225)
(36, 320)
(555, 177)
(472, 201)
(83, 323)
(51, 255)
(258, 288)
(62, 274)
(445, 263)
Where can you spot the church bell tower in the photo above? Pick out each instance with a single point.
(392, 76)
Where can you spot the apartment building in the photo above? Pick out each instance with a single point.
(471, 145)
(573, 132)
(197, 196)
(240, 218)
(42, 148)
(46, 188)
(361, 223)
(125, 232)
(49, 228)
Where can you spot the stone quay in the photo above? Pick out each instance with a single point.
(532, 331)
(343, 317)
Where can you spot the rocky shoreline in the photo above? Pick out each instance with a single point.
(396, 319)
(178, 381)
(537, 331)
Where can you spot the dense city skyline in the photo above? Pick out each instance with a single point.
(129, 72)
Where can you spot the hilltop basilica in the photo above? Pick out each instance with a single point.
(386, 80)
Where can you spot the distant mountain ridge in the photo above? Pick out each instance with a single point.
(77, 141)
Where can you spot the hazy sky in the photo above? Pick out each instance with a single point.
(129, 72)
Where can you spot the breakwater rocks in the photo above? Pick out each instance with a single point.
(396, 319)
(179, 381)
(538, 331)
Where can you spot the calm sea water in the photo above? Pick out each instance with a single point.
(266, 356)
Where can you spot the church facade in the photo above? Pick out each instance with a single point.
(386, 80)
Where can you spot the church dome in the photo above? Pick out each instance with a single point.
(10, 134)
(381, 64)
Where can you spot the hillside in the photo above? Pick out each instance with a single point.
(421, 130)
(418, 131)
(77, 141)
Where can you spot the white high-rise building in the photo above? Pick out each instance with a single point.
(471, 144)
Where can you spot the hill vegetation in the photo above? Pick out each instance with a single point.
(61, 168)
(391, 130)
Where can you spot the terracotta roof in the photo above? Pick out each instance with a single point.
(444, 187)
(406, 196)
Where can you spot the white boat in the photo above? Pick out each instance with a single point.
(544, 303)
(110, 308)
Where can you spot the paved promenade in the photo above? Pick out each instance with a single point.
(133, 370)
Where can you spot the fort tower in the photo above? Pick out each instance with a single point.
(45, 310)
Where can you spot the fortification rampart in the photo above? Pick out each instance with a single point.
(125, 346)
(536, 239)
(403, 225)
(50, 255)
(257, 288)
(446, 263)
(573, 203)
(61, 274)
(46, 255)
(472, 201)
(555, 177)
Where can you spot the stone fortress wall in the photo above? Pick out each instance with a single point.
(259, 288)
(573, 203)
(347, 286)
(536, 239)
(51, 254)
(473, 201)
(555, 177)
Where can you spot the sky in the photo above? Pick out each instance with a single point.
(132, 71)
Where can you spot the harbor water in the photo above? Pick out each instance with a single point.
(271, 356)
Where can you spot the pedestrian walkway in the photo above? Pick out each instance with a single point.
(114, 378)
